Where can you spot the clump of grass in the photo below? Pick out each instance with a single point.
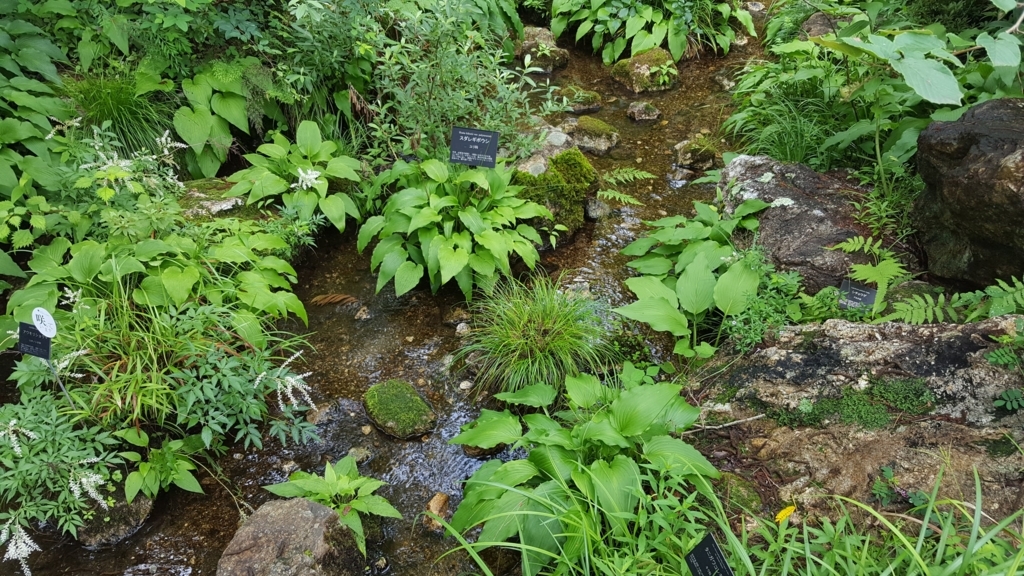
(530, 334)
(136, 120)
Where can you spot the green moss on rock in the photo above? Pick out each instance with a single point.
(590, 126)
(562, 188)
(396, 408)
(638, 73)
(739, 493)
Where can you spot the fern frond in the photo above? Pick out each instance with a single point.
(618, 197)
(1005, 299)
(859, 244)
(925, 308)
(626, 176)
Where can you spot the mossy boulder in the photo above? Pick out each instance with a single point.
(592, 135)
(397, 409)
(562, 189)
(539, 44)
(582, 101)
(647, 72)
(739, 493)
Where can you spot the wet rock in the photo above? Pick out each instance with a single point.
(360, 454)
(462, 330)
(696, 152)
(592, 135)
(544, 53)
(457, 315)
(725, 79)
(398, 410)
(438, 505)
(640, 111)
(363, 314)
(820, 24)
(111, 526)
(582, 101)
(813, 361)
(679, 177)
(817, 215)
(755, 7)
(205, 198)
(283, 537)
(648, 72)
(481, 453)
(597, 210)
(466, 385)
(970, 213)
(845, 460)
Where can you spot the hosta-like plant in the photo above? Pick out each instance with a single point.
(445, 224)
(584, 487)
(691, 273)
(298, 173)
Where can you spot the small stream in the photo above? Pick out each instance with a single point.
(407, 338)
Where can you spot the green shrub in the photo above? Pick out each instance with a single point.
(534, 334)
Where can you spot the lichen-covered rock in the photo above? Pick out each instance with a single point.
(640, 111)
(562, 188)
(648, 72)
(582, 101)
(544, 53)
(813, 212)
(591, 135)
(397, 409)
(698, 151)
(970, 215)
(282, 538)
(109, 527)
(818, 361)
(597, 210)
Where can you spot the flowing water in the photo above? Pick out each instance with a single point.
(406, 338)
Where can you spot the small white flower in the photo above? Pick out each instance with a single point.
(70, 297)
(63, 126)
(288, 385)
(11, 433)
(86, 481)
(19, 547)
(66, 359)
(307, 179)
(781, 202)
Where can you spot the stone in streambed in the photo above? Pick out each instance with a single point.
(640, 111)
(592, 135)
(539, 44)
(642, 73)
(398, 410)
(582, 101)
(281, 537)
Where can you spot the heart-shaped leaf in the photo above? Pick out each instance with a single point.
(193, 126)
(178, 282)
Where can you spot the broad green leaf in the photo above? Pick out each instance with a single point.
(307, 138)
(451, 261)
(735, 288)
(696, 286)
(343, 167)
(193, 126)
(930, 80)
(650, 287)
(87, 260)
(231, 107)
(197, 91)
(652, 264)
(584, 390)
(618, 489)
(659, 313)
(490, 429)
(407, 277)
(368, 230)
(535, 395)
(1005, 5)
(674, 455)
(179, 282)
(1002, 51)
(435, 170)
(637, 408)
(554, 461)
(8, 267)
(334, 208)
(379, 506)
(186, 481)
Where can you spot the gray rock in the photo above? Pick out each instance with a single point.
(456, 315)
(814, 361)
(596, 209)
(111, 526)
(556, 141)
(650, 71)
(591, 135)
(795, 237)
(820, 24)
(540, 45)
(640, 111)
(283, 538)
(971, 214)
(690, 154)
(725, 80)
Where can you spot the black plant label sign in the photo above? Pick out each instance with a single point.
(32, 342)
(854, 295)
(706, 559)
(474, 147)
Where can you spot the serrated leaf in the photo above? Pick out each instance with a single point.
(929, 79)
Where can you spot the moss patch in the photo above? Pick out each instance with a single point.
(637, 73)
(579, 98)
(869, 408)
(562, 188)
(590, 126)
(397, 409)
(742, 493)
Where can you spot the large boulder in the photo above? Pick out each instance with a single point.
(647, 72)
(811, 212)
(539, 44)
(283, 538)
(937, 373)
(108, 527)
(970, 216)
(561, 188)
(812, 361)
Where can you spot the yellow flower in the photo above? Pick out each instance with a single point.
(785, 513)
